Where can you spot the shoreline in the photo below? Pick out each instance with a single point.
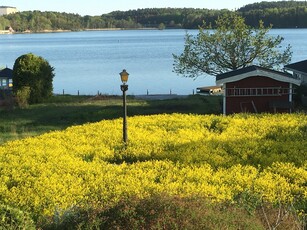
(5, 32)
(66, 31)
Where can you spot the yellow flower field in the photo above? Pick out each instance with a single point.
(218, 157)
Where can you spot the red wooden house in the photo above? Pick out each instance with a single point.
(256, 89)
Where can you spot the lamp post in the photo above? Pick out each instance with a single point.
(124, 87)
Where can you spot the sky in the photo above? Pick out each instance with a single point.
(98, 7)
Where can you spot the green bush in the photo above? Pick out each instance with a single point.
(13, 218)
(35, 72)
(23, 96)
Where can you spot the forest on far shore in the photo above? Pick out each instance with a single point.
(281, 14)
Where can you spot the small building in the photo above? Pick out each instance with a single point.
(256, 89)
(209, 90)
(299, 70)
(5, 10)
(6, 79)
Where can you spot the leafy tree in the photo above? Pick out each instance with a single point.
(4, 23)
(35, 72)
(231, 46)
(161, 26)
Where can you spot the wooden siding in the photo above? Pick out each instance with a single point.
(257, 94)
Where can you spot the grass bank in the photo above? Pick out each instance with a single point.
(63, 111)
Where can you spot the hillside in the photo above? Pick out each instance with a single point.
(282, 14)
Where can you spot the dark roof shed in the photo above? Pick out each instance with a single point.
(298, 66)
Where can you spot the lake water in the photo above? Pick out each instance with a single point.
(91, 61)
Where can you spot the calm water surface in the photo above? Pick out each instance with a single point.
(91, 61)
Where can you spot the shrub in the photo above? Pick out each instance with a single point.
(159, 212)
(241, 159)
(23, 96)
(35, 72)
(14, 218)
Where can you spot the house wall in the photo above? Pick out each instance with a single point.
(304, 79)
(5, 83)
(237, 104)
(300, 75)
(7, 10)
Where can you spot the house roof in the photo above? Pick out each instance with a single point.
(252, 71)
(300, 66)
(7, 7)
(7, 72)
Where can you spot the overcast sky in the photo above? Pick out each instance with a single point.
(98, 7)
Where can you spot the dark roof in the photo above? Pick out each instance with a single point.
(246, 70)
(7, 7)
(8, 73)
(253, 71)
(298, 66)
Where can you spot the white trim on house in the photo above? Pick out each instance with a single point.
(224, 99)
(290, 96)
(261, 73)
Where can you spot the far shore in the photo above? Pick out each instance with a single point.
(61, 31)
(98, 29)
(6, 32)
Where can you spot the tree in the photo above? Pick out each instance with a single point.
(4, 23)
(161, 26)
(35, 72)
(232, 45)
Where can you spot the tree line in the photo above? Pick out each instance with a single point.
(281, 14)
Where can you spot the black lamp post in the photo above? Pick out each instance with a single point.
(124, 87)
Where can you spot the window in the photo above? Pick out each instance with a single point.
(4, 83)
(266, 91)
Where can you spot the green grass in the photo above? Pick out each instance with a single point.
(63, 111)
(160, 212)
